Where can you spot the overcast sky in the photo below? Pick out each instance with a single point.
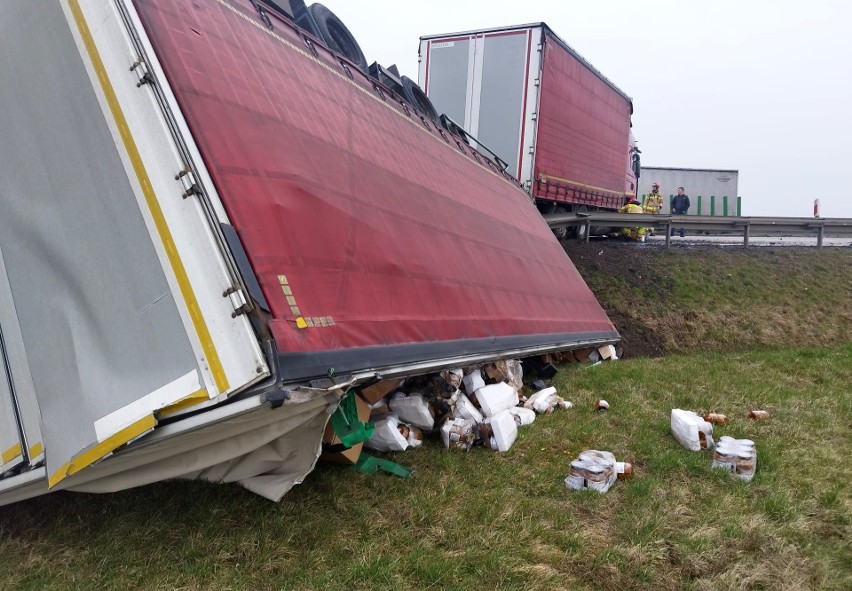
(764, 87)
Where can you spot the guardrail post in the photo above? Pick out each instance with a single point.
(746, 232)
(669, 233)
(588, 230)
(739, 206)
(698, 205)
(820, 235)
(725, 205)
(712, 205)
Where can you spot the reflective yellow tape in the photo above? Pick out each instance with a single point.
(186, 402)
(36, 450)
(104, 448)
(210, 353)
(11, 453)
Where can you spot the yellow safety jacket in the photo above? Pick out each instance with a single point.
(631, 208)
(653, 203)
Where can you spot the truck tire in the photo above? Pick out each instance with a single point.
(415, 95)
(561, 233)
(338, 38)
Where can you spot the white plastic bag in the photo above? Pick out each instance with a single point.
(386, 435)
(540, 395)
(473, 381)
(465, 409)
(496, 397)
(413, 409)
(523, 416)
(592, 470)
(500, 431)
(691, 430)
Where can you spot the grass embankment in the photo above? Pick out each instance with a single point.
(732, 299)
(485, 520)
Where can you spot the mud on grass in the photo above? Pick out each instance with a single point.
(724, 299)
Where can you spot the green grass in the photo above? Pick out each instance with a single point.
(484, 520)
(721, 299)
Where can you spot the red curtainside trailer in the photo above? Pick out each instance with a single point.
(560, 126)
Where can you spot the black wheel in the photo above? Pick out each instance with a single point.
(563, 232)
(415, 95)
(337, 36)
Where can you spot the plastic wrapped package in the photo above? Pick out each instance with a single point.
(540, 395)
(499, 431)
(496, 397)
(387, 435)
(523, 416)
(736, 456)
(473, 381)
(595, 470)
(465, 409)
(413, 409)
(515, 374)
(458, 434)
(691, 430)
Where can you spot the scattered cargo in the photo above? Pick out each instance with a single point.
(736, 456)
(691, 431)
(596, 470)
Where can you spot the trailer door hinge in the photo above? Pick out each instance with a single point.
(238, 300)
(187, 179)
(142, 73)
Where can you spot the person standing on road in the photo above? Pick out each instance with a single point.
(680, 206)
(653, 202)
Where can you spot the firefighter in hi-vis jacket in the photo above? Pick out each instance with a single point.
(637, 234)
(653, 200)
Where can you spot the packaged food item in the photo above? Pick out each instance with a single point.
(691, 431)
(458, 434)
(496, 397)
(737, 457)
(601, 405)
(453, 377)
(465, 409)
(473, 381)
(413, 409)
(596, 470)
(759, 415)
(716, 418)
(500, 431)
(388, 435)
(523, 416)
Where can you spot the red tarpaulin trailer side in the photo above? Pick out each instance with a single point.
(584, 126)
(390, 241)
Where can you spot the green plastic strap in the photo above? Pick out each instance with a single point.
(370, 465)
(346, 425)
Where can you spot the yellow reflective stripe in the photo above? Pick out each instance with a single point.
(104, 448)
(36, 450)
(11, 453)
(186, 402)
(210, 353)
(556, 178)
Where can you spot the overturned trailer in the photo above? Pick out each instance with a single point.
(214, 221)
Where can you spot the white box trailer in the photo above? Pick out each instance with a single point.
(711, 191)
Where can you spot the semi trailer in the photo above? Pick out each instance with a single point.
(215, 220)
(561, 127)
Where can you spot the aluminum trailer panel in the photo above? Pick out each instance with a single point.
(111, 280)
(376, 240)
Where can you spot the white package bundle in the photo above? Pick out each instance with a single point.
(691, 430)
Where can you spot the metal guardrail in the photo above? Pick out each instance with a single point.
(746, 226)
